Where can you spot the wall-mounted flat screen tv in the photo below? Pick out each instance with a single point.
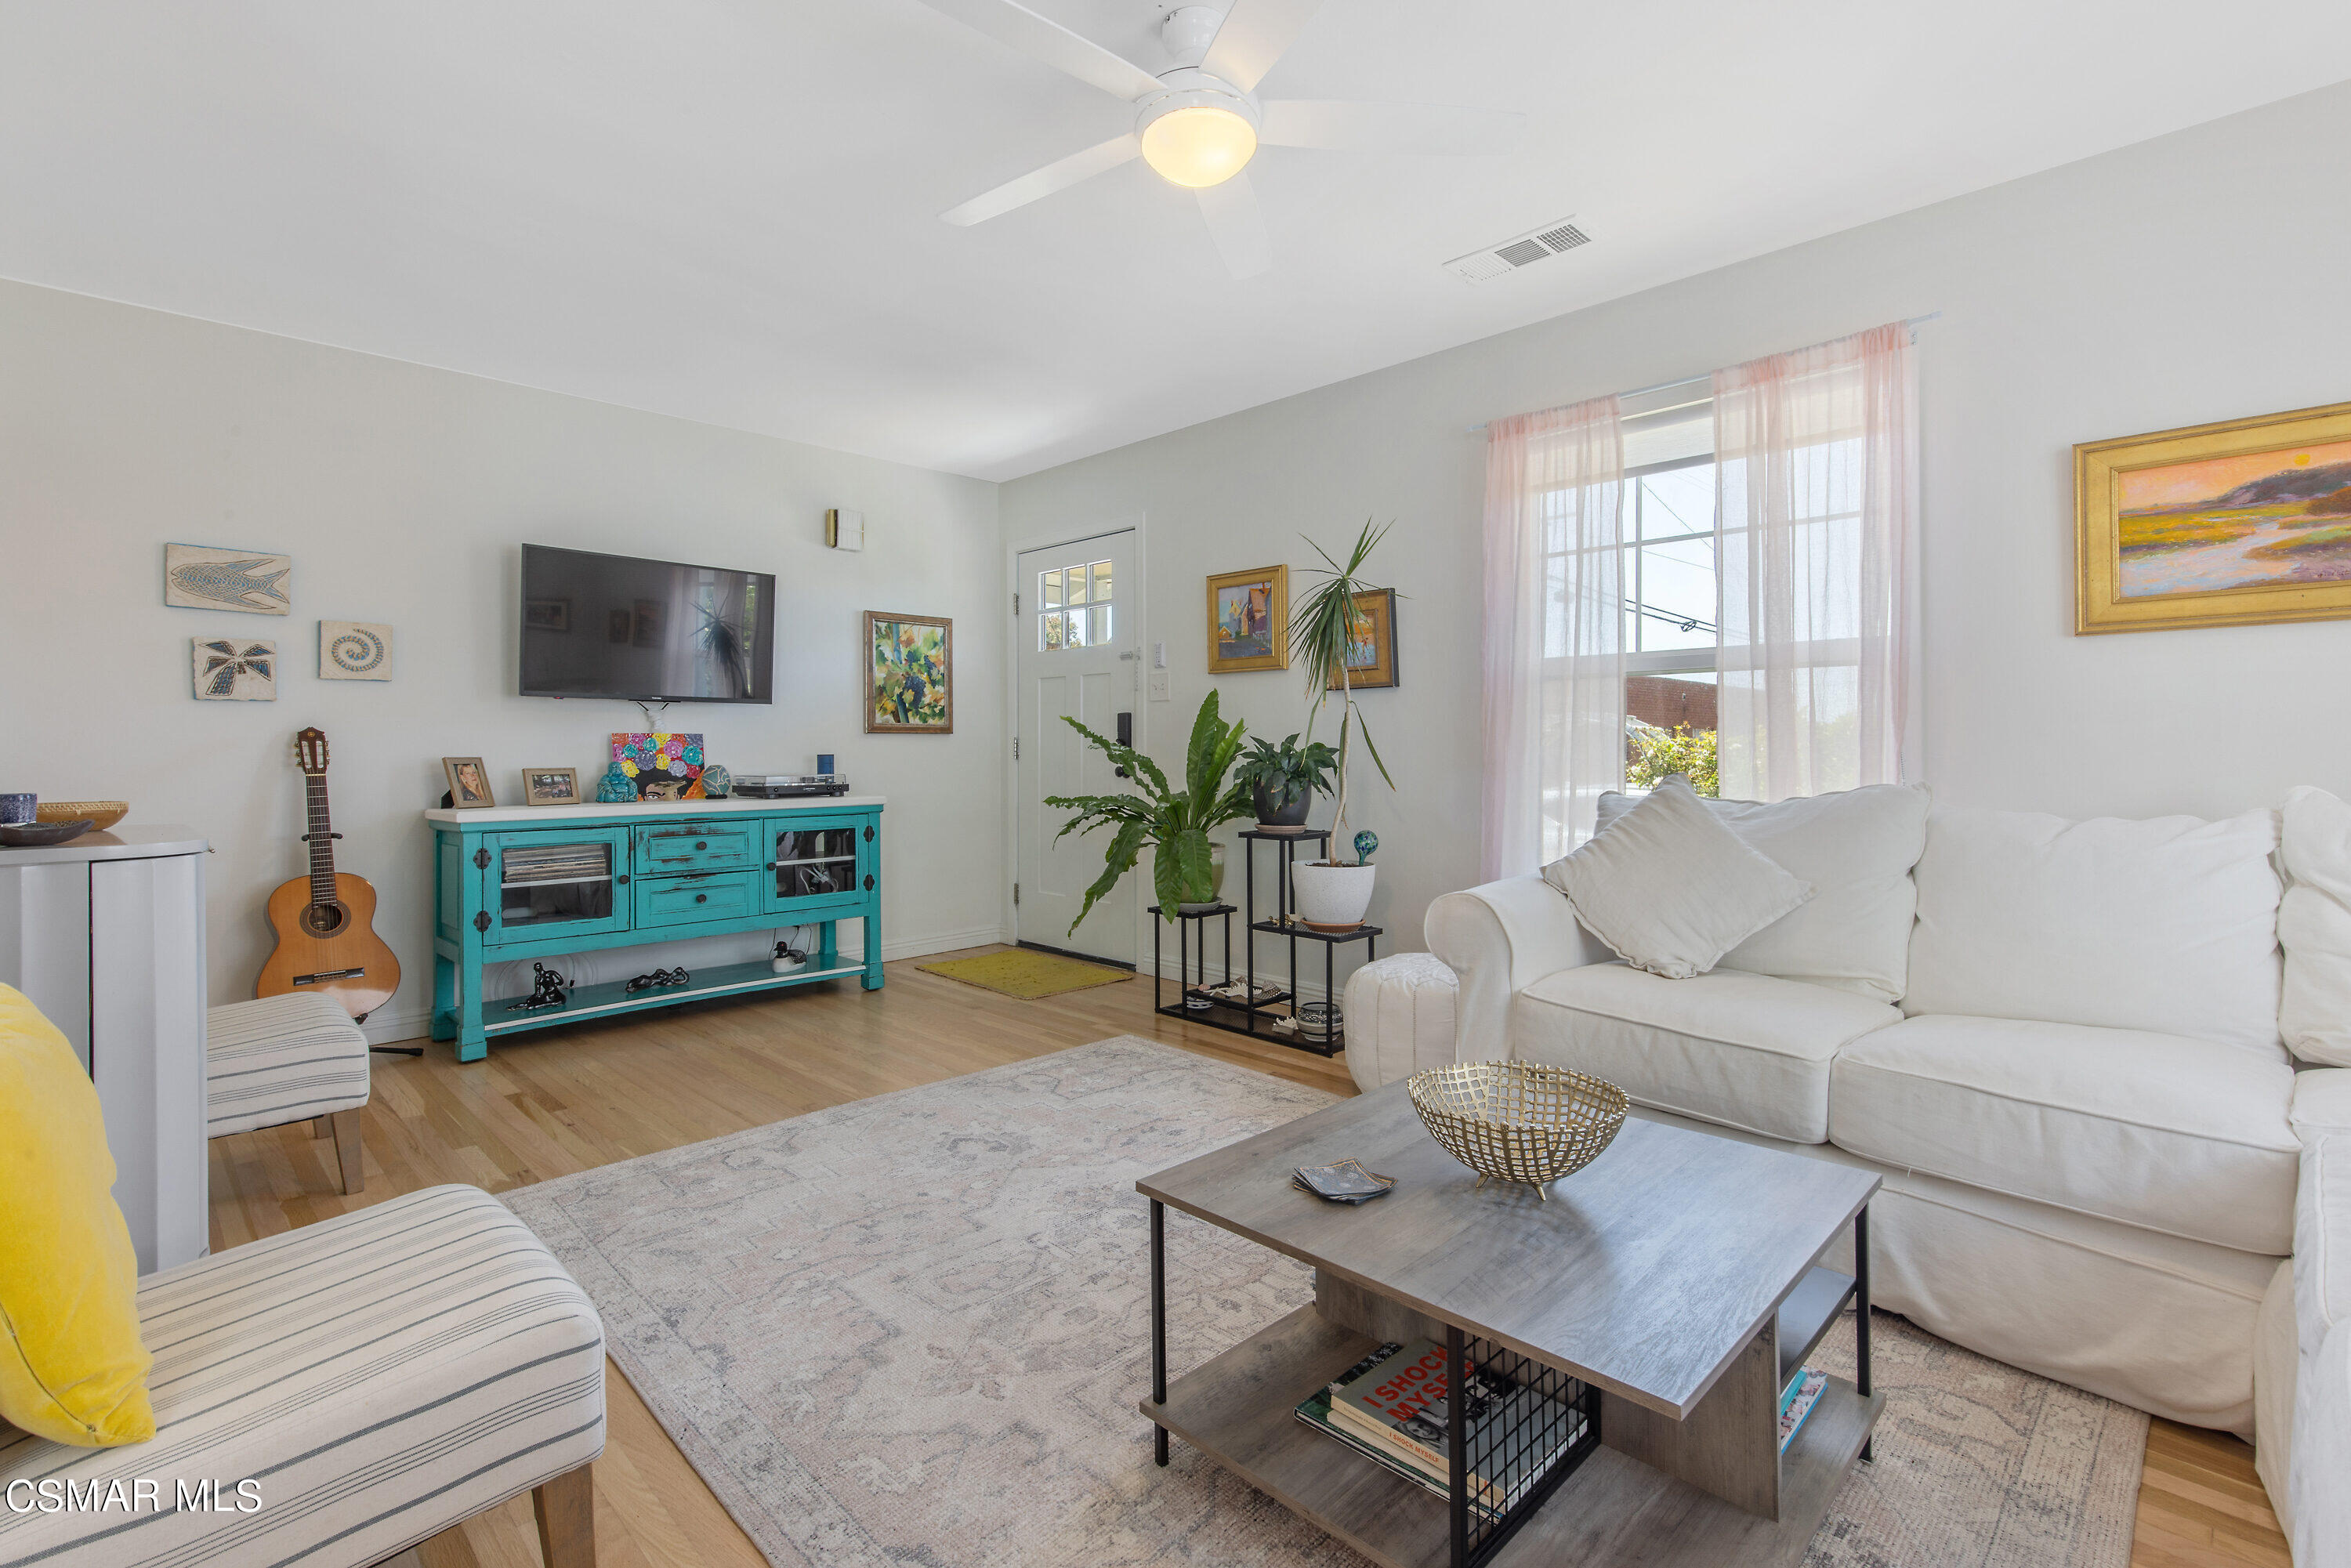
(646, 630)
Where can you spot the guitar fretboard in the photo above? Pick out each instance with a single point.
(322, 841)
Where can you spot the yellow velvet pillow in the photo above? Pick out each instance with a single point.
(71, 1366)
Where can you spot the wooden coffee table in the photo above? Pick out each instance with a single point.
(1669, 1289)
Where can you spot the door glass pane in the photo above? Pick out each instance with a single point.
(1049, 632)
(1049, 589)
(544, 885)
(1100, 632)
(1075, 636)
(1077, 593)
(1102, 582)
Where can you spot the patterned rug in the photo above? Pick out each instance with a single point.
(913, 1330)
(1027, 974)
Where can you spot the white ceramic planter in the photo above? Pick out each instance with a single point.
(1216, 882)
(1334, 896)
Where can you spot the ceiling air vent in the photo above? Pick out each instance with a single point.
(1493, 261)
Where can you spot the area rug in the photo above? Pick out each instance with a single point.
(1024, 973)
(913, 1330)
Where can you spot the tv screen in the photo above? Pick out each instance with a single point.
(646, 630)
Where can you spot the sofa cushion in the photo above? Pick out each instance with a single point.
(2186, 1136)
(2322, 1241)
(1745, 1050)
(1856, 848)
(1671, 890)
(2322, 1103)
(2315, 926)
(2169, 924)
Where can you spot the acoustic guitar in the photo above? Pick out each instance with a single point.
(325, 922)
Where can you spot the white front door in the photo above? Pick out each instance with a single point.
(1077, 657)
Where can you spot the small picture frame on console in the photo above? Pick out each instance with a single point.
(550, 787)
(469, 783)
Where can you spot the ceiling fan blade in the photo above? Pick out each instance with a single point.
(1236, 227)
(1254, 35)
(1044, 39)
(1059, 176)
(1435, 129)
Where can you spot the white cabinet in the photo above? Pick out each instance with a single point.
(106, 934)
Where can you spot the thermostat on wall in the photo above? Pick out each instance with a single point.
(844, 530)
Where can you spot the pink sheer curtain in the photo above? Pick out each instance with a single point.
(1815, 455)
(1554, 666)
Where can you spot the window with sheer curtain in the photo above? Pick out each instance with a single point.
(1712, 576)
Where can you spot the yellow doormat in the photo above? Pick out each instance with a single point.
(1019, 972)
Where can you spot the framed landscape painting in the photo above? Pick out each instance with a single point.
(1371, 643)
(2237, 523)
(909, 674)
(1248, 620)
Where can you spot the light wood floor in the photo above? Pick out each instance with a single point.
(549, 1103)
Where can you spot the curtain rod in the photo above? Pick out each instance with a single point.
(1914, 323)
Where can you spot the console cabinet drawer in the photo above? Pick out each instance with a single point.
(697, 846)
(689, 900)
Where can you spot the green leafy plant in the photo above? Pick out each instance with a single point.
(1659, 753)
(1321, 632)
(1286, 772)
(1174, 822)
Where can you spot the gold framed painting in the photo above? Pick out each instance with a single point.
(909, 673)
(1371, 643)
(2239, 523)
(1248, 620)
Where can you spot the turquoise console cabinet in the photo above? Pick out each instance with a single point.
(538, 880)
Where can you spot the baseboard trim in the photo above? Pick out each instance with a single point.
(388, 1027)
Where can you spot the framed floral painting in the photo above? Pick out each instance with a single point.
(909, 673)
(2237, 523)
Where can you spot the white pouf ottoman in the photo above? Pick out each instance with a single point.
(1399, 1013)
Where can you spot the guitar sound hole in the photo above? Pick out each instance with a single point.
(325, 919)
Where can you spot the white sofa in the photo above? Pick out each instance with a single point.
(2059, 1044)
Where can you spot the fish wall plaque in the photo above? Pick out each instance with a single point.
(202, 576)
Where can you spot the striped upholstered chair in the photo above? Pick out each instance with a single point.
(378, 1377)
(297, 1058)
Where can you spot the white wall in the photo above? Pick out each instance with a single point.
(2195, 278)
(402, 493)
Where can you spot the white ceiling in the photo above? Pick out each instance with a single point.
(727, 209)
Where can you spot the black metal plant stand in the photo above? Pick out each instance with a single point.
(1256, 1015)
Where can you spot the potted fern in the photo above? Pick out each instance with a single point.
(1332, 894)
(1174, 823)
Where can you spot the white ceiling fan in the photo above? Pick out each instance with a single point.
(1199, 123)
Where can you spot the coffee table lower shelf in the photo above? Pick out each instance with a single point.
(1613, 1512)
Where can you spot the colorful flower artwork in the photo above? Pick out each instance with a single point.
(909, 674)
(661, 767)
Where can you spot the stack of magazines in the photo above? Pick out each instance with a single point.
(1392, 1406)
(1796, 1402)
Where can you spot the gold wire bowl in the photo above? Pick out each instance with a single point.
(102, 814)
(1517, 1121)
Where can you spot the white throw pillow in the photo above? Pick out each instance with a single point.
(2314, 927)
(1856, 848)
(1671, 889)
(2169, 924)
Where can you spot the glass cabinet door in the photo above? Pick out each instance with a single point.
(816, 861)
(544, 885)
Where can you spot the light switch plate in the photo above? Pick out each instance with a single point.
(1159, 685)
(1159, 655)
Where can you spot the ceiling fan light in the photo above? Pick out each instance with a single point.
(1199, 145)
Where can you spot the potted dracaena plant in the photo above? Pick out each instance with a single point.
(1332, 894)
(1175, 823)
(1283, 780)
